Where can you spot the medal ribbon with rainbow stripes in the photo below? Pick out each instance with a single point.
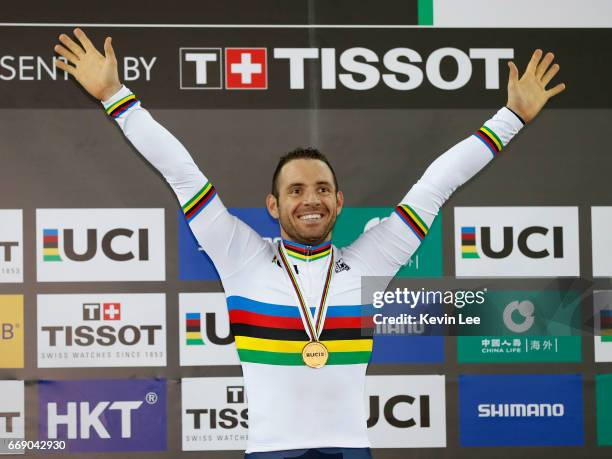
(314, 353)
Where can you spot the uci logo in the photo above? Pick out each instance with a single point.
(193, 327)
(422, 419)
(533, 242)
(107, 243)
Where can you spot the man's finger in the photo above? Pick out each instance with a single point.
(533, 63)
(72, 58)
(556, 90)
(514, 73)
(84, 39)
(108, 49)
(544, 64)
(71, 45)
(550, 74)
(65, 67)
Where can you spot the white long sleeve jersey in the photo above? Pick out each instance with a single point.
(292, 406)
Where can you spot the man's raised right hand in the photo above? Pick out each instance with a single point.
(96, 73)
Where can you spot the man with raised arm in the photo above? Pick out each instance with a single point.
(295, 307)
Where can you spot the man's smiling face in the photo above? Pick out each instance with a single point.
(308, 202)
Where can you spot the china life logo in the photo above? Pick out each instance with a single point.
(523, 326)
(100, 245)
(204, 330)
(516, 241)
(425, 262)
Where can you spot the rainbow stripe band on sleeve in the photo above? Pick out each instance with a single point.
(490, 139)
(196, 204)
(121, 106)
(412, 219)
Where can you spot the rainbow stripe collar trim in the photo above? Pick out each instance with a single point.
(307, 252)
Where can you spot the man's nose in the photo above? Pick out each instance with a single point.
(311, 197)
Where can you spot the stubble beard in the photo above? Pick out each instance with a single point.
(295, 235)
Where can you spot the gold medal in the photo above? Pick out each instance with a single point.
(315, 354)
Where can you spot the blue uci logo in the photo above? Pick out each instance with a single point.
(194, 264)
(520, 410)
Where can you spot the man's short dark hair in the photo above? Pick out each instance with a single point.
(300, 153)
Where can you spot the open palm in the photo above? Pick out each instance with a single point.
(97, 73)
(528, 95)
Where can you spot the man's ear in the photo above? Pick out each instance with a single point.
(272, 205)
(340, 201)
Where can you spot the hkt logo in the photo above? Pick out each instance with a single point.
(74, 331)
(104, 415)
(89, 245)
(406, 411)
(245, 68)
(516, 241)
(399, 69)
(11, 246)
(215, 414)
(205, 337)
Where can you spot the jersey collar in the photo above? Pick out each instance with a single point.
(307, 252)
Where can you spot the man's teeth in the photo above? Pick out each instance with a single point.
(310, 217)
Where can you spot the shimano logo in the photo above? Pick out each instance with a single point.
(521, 410)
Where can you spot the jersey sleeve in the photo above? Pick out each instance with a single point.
(388, 246)
(228, 241)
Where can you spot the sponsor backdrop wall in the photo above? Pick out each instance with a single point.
(114, 330)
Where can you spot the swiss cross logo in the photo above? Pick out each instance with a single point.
(111, 311)
(246, 68)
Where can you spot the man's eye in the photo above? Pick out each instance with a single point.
(295, 191)
(324, 189)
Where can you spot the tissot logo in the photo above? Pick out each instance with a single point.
(406, 411)
(205, 337)
(104, 415)
(516, 241)
(114, 331)
(246, 68)
(215, 414)
(11, 246)
(11, 412)
(357, 68)
(520, 410)
(100, 244)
